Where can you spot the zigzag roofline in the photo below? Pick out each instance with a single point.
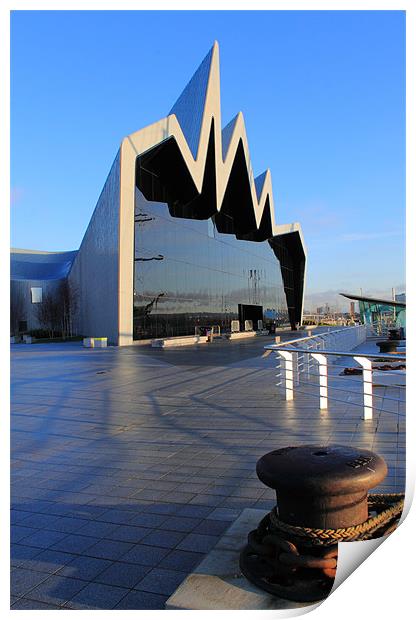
(194, 148)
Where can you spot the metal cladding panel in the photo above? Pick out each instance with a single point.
(95, 272)
(226, 134)
(27, 265)
(259, 183)
(189, 108)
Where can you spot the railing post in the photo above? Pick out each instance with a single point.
(323, 379)
(308, 358)
(367, 386)
(288, 376)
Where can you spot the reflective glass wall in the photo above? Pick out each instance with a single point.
(382, 316)
(188, 275)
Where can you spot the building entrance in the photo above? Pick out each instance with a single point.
(247, 312)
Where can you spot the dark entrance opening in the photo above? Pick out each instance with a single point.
(248, 312)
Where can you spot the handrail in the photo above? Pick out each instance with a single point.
(274, 347)
(298, 360)
(320, 335)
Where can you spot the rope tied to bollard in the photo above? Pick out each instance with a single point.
(286, 551)
(388, 518)
(322, 497)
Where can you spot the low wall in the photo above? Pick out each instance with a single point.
(180, 341)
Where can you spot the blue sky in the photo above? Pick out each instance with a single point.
(322, 93)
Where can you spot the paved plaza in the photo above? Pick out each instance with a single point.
(128, 464)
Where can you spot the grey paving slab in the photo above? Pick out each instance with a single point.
(198, 542)
(181, 560)
(206, 500)
(162, 509)
(108, 549)
(19, 533)
(98, 529)
(123, 574)
(192, 510)
(22, 555)
(223, 514)
(181, 524)
(97, 596)
(75, 543)
(147, 520)
(50, 560)
(26, 603)
(43, 539)
(142, 600)
(157, 450)
(23, 580)
(214, 527)
(161, 581)
(40, 521)
(144, 554)
(117, 516)
(84, 567)
(55, 590)
(129, 533)
(168, 539)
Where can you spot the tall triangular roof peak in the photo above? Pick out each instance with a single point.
(189, 107)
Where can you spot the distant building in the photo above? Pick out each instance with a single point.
(380, 314)
(34, 276)
(323, 310)
(182, 235)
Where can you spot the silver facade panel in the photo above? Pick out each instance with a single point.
(95, 270)
(189, 108)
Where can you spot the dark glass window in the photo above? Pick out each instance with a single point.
(188, 276)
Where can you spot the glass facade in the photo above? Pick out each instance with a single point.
(188, 276)
(382, 316)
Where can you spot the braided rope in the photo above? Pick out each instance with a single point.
(362, 531)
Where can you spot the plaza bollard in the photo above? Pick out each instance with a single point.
(322, 499)
(388, 346)
(394, 334)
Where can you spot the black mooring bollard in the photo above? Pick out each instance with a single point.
(388, 346)
(318, 489)
(394, 334)
(322, 487)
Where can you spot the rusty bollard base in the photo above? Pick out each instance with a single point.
(316, 487)
(286, 569)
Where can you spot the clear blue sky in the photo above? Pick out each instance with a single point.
(322, 93)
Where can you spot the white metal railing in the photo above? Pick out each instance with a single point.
(381, 328)
(312, 366)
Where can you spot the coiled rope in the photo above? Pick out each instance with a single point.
(325, 537)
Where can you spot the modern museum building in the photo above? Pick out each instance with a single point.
(182, 237)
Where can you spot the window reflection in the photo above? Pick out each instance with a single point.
(187, 274)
